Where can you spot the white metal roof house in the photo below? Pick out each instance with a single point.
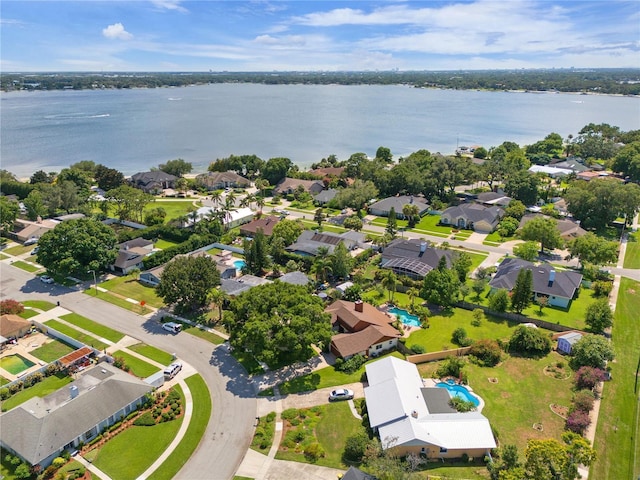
(567, 341)
(40, 429)
(414, 419)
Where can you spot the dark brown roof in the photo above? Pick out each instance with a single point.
(347, 344)
(265, 223)
(346, 313)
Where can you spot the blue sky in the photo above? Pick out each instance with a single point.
(174, 35)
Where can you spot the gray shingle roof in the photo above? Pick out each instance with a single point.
(397, 203)
(474, 212)
(407, 255)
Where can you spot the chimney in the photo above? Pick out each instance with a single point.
(73, 390)
(552, 277)
(423, 247)
(359, 306)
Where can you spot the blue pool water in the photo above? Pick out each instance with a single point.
(460, 392)
(405, 317)
(239, 264)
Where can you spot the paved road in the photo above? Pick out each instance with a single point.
(234, 406)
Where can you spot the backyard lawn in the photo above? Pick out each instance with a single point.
(75, 334)
(197, 426)
(41, 389)
(131, 452)
(138, 367)
(93, 327)
(153, 353)
(174, 208)
(52, 350)
(162, 244)
(438, 336)
(617, 443)
(129, 286)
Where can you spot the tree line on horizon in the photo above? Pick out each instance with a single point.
(604, 81)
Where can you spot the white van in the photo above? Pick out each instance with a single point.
(172, 370)
(172, 327)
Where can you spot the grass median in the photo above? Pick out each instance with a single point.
(152, 353)
(93, 327)
(76, 334)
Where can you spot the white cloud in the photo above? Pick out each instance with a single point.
(169, 5)
(116, 32)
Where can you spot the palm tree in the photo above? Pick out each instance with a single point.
(322, 267)
(218, 297)
(231, 198)
(389, 282)
(216, 197)
(412, 293)
(260, 203)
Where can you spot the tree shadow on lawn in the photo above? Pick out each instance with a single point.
(237, 380)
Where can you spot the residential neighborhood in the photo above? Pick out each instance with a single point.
(358, 316)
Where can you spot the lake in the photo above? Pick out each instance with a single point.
(133, 130)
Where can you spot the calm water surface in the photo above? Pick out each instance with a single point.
(133, 130)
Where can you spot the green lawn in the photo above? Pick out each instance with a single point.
(75, 334)
(131, 452)
(174, 208)
(494, 239)
(93, 327)
(26, 266)
(130, 287)
(28, 314)
(18, 249)
(40, 389)
(39, 305)
(118, 301)
(248, 362)
(138, 367)
(326, 226)
(163, 244)
(153, 353)
(197, 426)
(322, 378)
(617, 443)
(632, 254)
(206, 335)
(438, 336)
(3, 381)
(520, 398)
(52, 350)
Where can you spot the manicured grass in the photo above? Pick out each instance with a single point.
(438, 336)
(174, 208)
(28, 314)
(520, 398)
(632, 253)
(324, 377)
(39, 304)
(326, 226)
(617, 443)
(18, 249)
(153, 353)
(52, 350)
(26, 266)
(130, 287)
(206, 335)
(494, 239)
(162, 244)
(41, 389)
(138, 367)
(3, 381)
(197, 426)
(131, 452)
(248, 362)
(120, 302)
(93, 327)
(75, 334)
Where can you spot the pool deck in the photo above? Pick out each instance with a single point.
(432, 382)
(22, 348)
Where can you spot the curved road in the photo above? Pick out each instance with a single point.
(230, 428)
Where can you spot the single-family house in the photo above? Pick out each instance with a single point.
(560, 287)
(288, 185)
(13, 326)
(361, 329)
(414, 419)
(567, 341)
(381, 208)
(413, 257)
(24, 230)
(264, 223)
(310, 241)
(325, 196)
(232, 218)
(235, 286)
(491, 199)
(131, 255)
(153, 182)
(40, 429)
(223, 261)
(219, 180)
(552, 172)
(295, 278)
(472, 216)
(568, 228)
(587, 176)
(575, 164)
(356, 474)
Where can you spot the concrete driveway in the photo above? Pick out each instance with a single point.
(318, 397)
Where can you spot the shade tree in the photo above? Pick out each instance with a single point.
(543, 230)
(591, 351)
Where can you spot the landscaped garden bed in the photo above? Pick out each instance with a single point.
(263, 435)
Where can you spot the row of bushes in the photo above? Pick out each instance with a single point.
(193, 243)
(28, 381)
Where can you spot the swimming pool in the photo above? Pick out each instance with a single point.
(459, 391)
(15, 363)
(239, 264)
(405, 317)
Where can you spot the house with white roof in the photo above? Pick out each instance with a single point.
(412, 418)
(567, 341)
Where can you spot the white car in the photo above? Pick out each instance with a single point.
(31, 241)
(46, 279)
(341, 394)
